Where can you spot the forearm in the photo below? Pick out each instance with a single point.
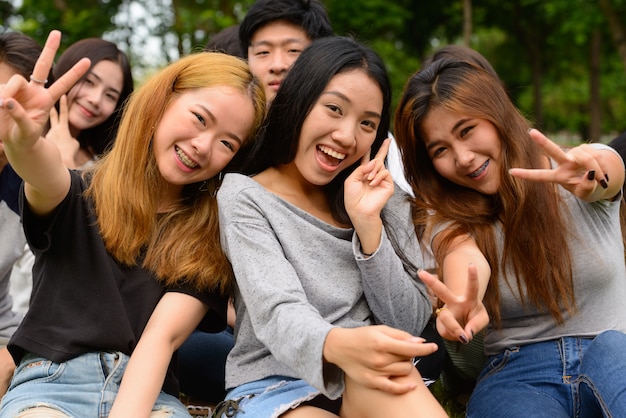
(394, 295)
(46, 178)
(143, 379)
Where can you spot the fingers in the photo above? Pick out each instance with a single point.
(67, 80)
(550, 148)
(436, 286)
(44, 64)
(46, 59)
(384, 149)
(380, 155)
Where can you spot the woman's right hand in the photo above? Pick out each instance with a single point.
(374, 355)
(462, 316)
(25, 105)
(59, 133)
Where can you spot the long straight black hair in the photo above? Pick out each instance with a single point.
(307, 79)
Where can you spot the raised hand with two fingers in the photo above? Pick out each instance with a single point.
(461, 316)
(584, 170)
(367, 190)
(24, 112)
(25, 104)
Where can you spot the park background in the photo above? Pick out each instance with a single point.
(562, 61)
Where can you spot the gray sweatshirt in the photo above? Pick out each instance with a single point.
(298, 277)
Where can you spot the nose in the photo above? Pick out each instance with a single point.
(280, 63)
(344, 134)
(95, 96)
(464, 157)
(201, 145)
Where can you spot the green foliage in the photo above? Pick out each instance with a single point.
(527, 41)
(77, 19)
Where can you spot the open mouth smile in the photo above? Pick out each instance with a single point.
(187, 162)
(480, 170)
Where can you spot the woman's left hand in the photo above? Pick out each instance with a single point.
(583, 171)
(366, 191)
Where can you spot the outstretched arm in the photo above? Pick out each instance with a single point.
(173, 320)
(466, 274)
(589, 173)
(24, 110)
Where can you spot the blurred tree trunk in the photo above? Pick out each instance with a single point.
(467, 23)
(595, 102)
(616, 26)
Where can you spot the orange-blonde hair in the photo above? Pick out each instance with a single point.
(183, 244)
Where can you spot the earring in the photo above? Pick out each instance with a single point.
(203, 187)
(220, 176)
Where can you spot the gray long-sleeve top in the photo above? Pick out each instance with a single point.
(298, 277)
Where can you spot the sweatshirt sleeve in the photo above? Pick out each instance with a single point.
(396, 296)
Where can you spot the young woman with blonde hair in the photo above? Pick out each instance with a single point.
(112, 241)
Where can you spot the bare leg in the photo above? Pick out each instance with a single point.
(308, 412)
(362, 402)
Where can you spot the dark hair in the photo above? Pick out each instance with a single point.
(461, 53)
(20, 52)
(305, 82)
(99, 138)
(310, 15)
(226, 41)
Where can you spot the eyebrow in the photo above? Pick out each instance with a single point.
(344, 97)
(214, 120)
(281, 42)
(454, 128)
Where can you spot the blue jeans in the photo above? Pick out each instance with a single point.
(567, 377)
(201, 363)
(84, 386)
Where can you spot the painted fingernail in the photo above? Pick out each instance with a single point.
(10, 105)
(463, 339)
(604, 184)
(606, 177)
(591, 175)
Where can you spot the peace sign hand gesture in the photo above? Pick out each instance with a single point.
(584, 170)
(25, 105)
(366, 191)
(462, 315)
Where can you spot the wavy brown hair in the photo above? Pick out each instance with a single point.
(530, 213)
(183, 244)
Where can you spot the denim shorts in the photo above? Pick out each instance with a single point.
(84, 386)
(266, 398)
(568, 377)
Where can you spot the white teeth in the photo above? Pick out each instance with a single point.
(332, 153)
(184, 159)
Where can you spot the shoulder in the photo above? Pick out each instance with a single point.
(234, 186)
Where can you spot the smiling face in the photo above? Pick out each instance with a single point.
(467, 151)
(93, 99)
(273, 49)
(200, 132)
(340, 127)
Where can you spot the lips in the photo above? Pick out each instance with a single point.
(184, 158)
(480, 170)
